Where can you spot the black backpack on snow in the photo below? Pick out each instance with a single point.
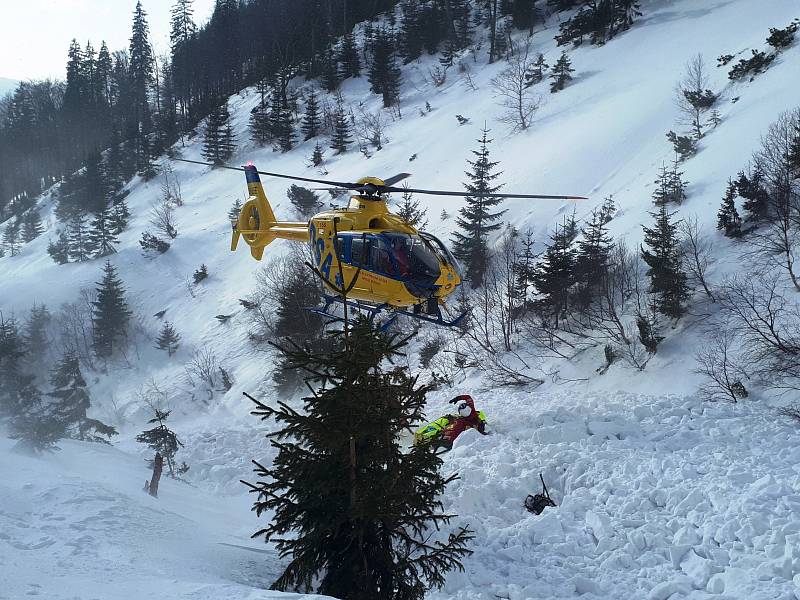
(536, 504)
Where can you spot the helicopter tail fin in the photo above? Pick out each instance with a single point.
(254, 188)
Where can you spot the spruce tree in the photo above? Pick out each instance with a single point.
(182, 26)
(555, 275)
(235, 210)
(341, 129)
(110, 313)
(59, 249)
(280, 122)
(140, 68)
(411, 41)
(163, 441)
(348, 57)
(384, 72)
(102, 237)
(31, 226)
(561, 74)
(476, 219)
(594, 249)
(340, 460)
(306, 202)
(311, 120)
(524, 271)
(11, 240)
(728, 219)
(118, 215)
(330, 70)
(316, 156)
(535, 72)
(168, 339)
(71, 400)
(37, 344)
(218, 141)
(411, 211)
(80, 248)
(260, 131)
(12, 379)
(663, 257)
(751, 187)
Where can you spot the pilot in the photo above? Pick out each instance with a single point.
(400, 249)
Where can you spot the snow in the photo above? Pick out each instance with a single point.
(659, 495)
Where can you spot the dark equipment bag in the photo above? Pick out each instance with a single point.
(536, 504)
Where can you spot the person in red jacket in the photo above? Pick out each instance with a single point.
(445, 430)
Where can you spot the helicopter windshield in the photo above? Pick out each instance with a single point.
(437, 246)
(411, 255)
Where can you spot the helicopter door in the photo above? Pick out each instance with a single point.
(357, 254)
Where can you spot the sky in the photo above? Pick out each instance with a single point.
(35, 34)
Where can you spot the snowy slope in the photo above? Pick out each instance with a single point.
(603, 135)
(77, 525)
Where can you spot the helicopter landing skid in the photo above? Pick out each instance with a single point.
(374, 310)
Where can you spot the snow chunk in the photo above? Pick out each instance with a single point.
(599, 524)
(699, 569)
(572, 431)
(548, 529)
(681, 586)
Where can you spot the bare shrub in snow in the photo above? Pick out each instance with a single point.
(512, 89)
(203, 369)
(766, 324)
(162, 218)
(693, 96)
(697, 254)
(716, 360)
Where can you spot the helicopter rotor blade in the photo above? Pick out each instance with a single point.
(338, 184)
(465, 193)
(371, 188)
(396, 179)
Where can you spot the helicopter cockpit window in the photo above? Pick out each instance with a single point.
(412, 255)
(380, 259)
(359, 256)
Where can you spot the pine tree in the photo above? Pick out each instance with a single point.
(561, 74)
(384, 72)
(535, 72)
(670, 186)
(11, 238)
(306, 202)
(411, 211)
(31, 226)
(218, 141)
(555, 275)
(110, 313)
(667, 279)
(348, 57)
(476, 219)
(12, 379)
(72, 400)
(80, 248)
(163, 441)
(94, 184)
(59, 250)
(728, 219)
(341, 129)
(168, 339)
(340, 460)
(102, 238)
(311, 120)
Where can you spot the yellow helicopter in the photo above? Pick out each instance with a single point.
(366, 256)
